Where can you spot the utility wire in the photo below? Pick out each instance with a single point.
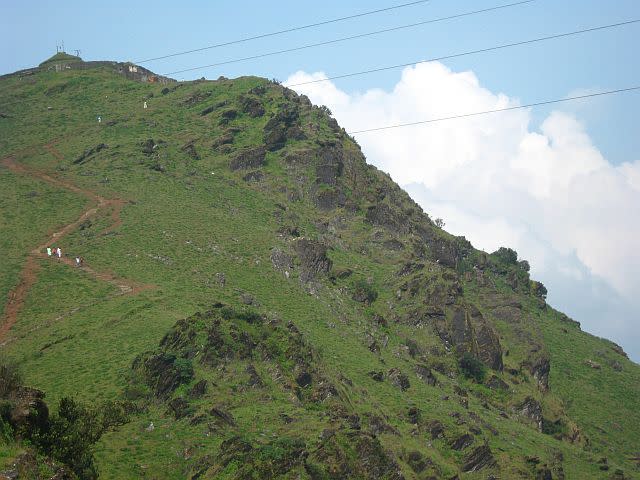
(280, 32)
(465, 115)
(472, 52)
(353, 37)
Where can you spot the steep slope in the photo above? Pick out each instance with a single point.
(304, 318)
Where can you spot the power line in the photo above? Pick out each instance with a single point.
(472, 52)
(280, 32)
(465, 115)
(353, 37)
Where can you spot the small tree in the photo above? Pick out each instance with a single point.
(439, 222)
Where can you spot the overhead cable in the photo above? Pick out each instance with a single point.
(471, 52)
(280, 32)
(486, 112)
(352, 37)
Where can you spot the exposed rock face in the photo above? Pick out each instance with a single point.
(330, 199)
(179, 408)
(199, 389)
(384, 216)
(252, 106)
(248, 158)
(313, 259)
(479, 458)
(399, 379)
(531, 409)
(281, 261)
(372, 461)
(277, 129)
(426, 375)
(330, 165)
(540, 366)
(470, 332)
(495, 383)
(462, 442)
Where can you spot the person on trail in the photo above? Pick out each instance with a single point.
(99, 119)
(145, 104)
(59, 253)
(49, 252)
(78, 261)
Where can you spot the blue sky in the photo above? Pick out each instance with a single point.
(602, 133)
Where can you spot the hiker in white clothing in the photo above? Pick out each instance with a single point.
(78, 261)
(59, 252)
(145, 104)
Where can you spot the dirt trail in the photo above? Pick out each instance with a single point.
(29, 273)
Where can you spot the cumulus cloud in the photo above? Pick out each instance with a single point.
(547, 192)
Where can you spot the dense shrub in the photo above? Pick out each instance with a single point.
(472, 368)
(506, 255)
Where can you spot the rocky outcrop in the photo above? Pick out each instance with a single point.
(478, 459)
(425, 374)
(281, 126)
(312, 256)
(470, 332)
(539, 366)
(462, 442)
(248, 158)
(531, 410)
(399, 379)
(251, 105)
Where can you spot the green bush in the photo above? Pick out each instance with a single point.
(472, 368)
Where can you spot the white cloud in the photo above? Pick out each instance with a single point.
(548, 193)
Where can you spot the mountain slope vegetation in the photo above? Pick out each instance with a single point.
(256, 301)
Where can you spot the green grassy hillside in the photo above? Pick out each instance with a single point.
(256, 301)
